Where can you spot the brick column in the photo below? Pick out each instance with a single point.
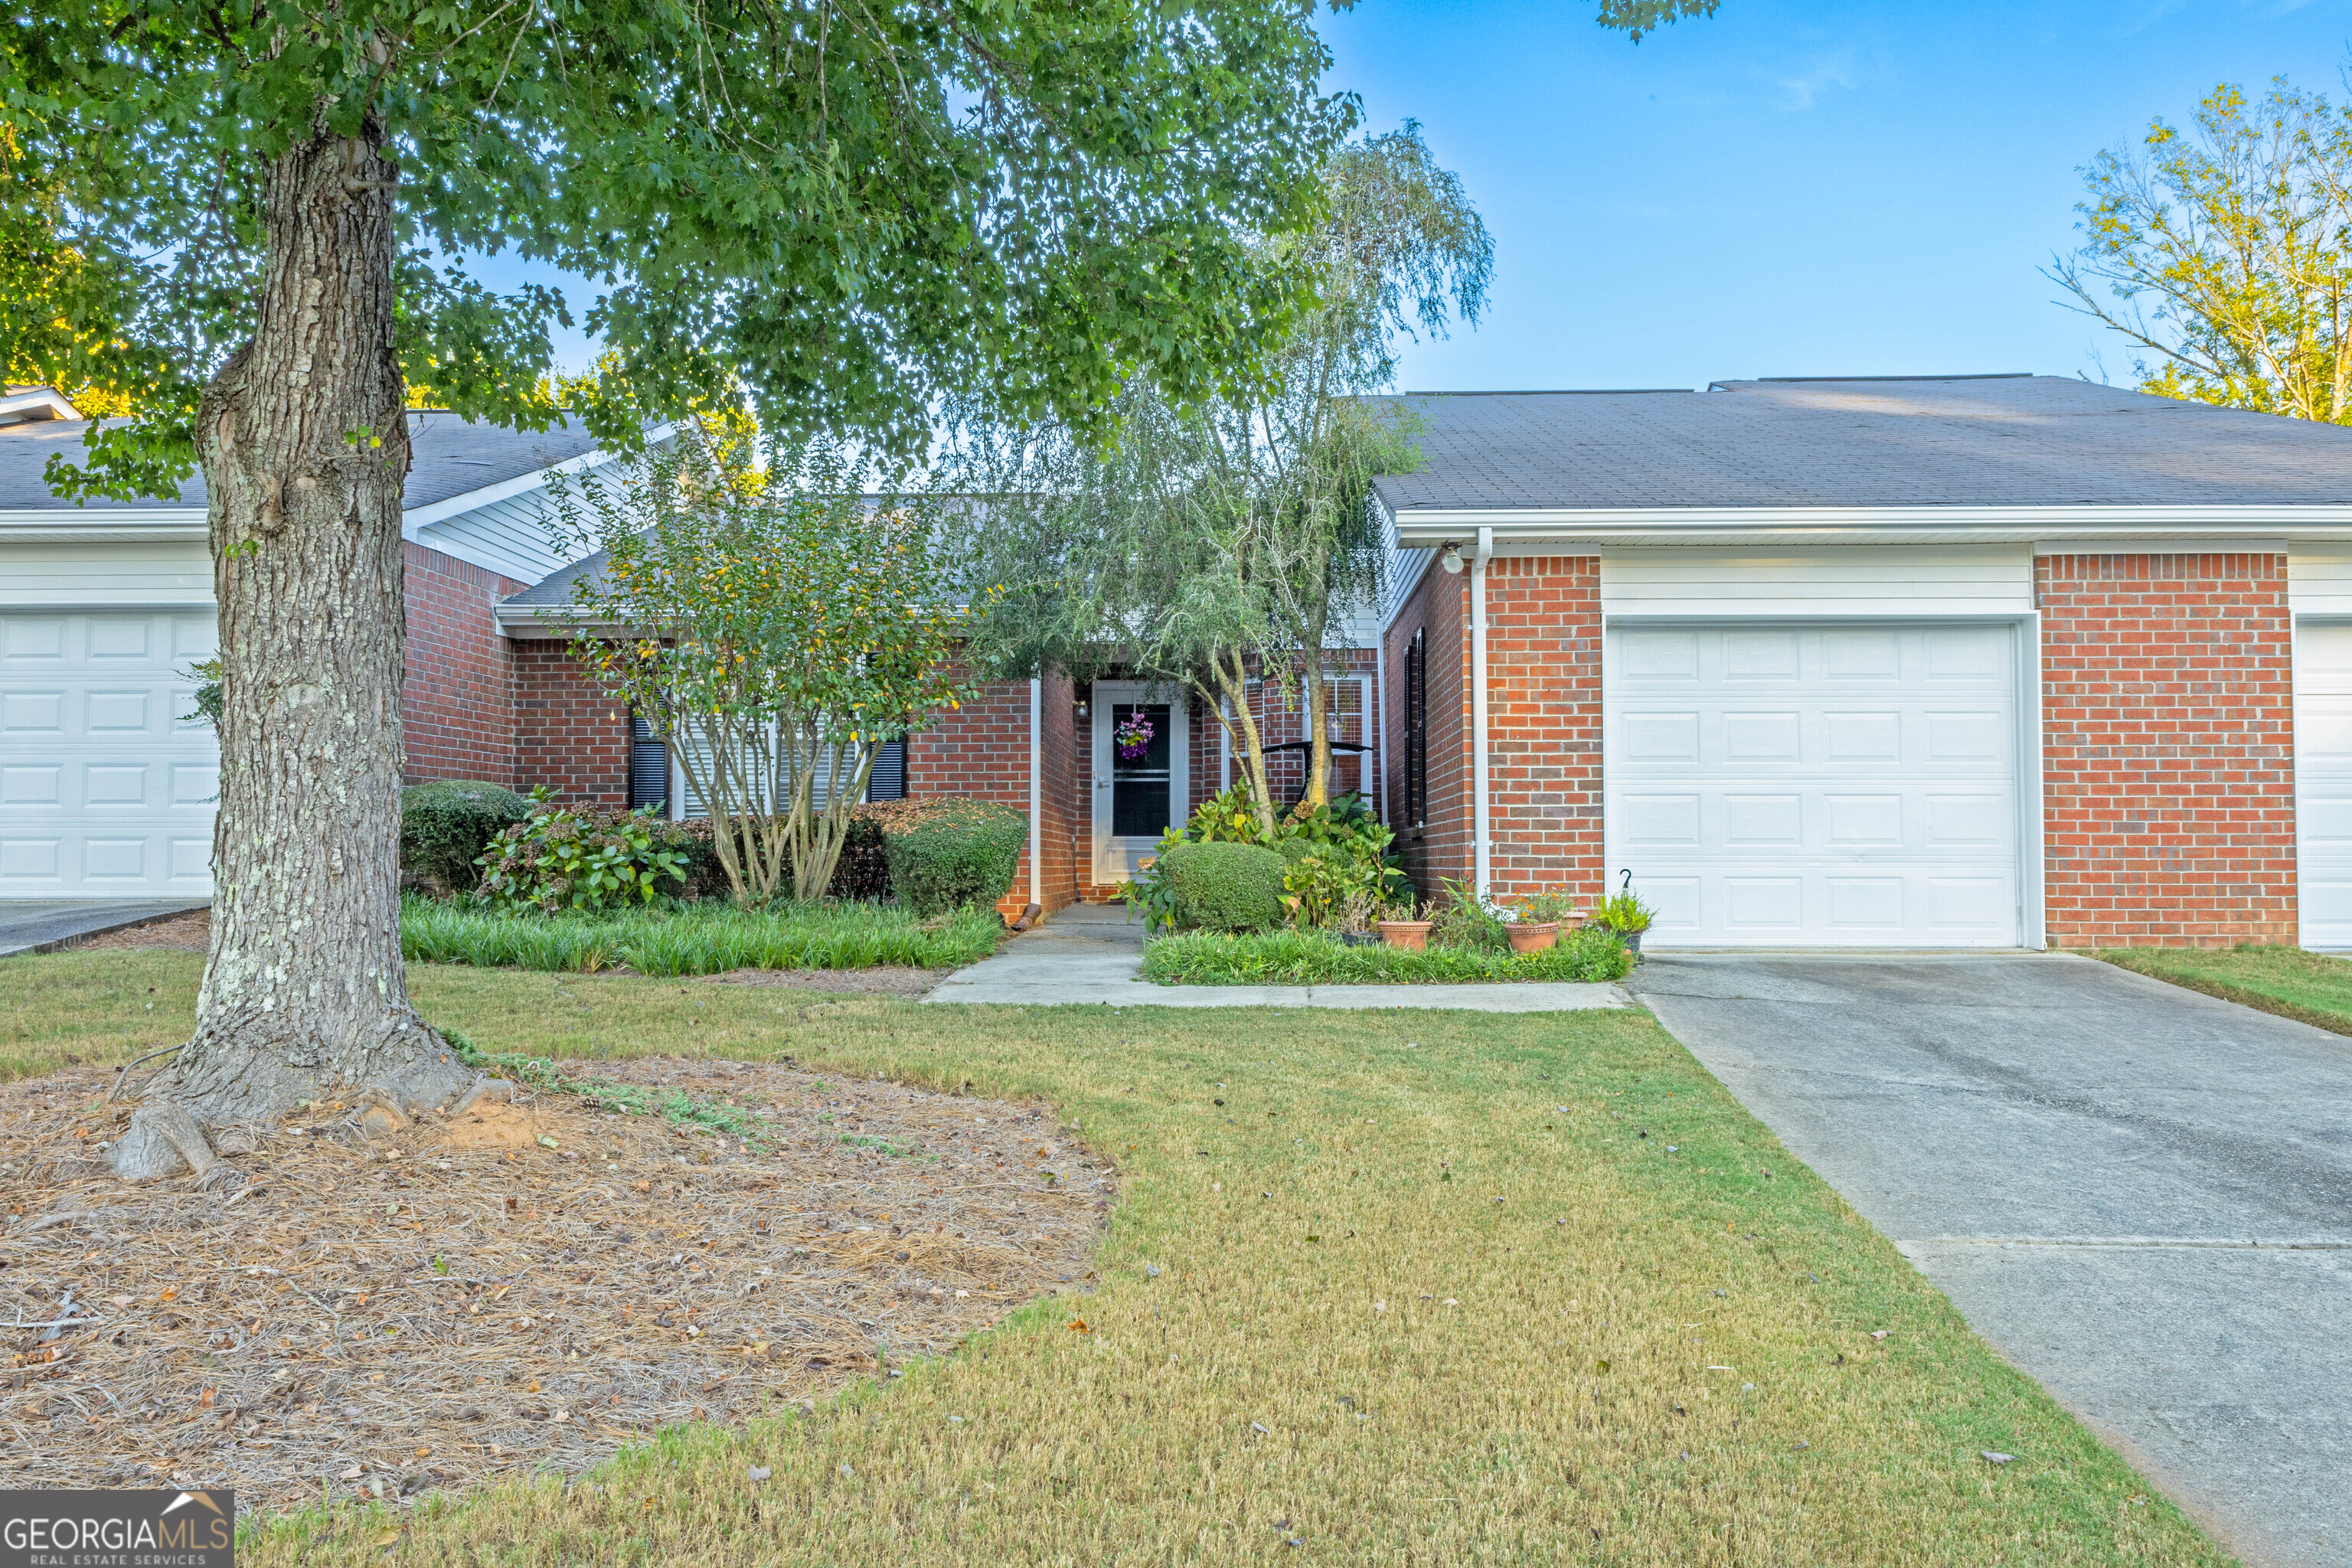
(2168, 727)
(1543, 716)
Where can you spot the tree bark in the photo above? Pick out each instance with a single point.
(304, 450)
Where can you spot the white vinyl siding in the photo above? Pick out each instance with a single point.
(1818, 584)
(70, 575)
(1785, 784)
(687, 801)
(509, 537)
(106, 789)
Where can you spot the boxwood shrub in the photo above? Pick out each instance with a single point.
(445, 824)
(1224, 886)
(951, 854)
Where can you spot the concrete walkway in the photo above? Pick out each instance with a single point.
(2140, 1196)
(1089, 955)
(38, 925)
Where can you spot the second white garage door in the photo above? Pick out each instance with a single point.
(1793, 785)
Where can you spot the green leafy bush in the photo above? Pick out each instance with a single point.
(1467, 921)
(563, 859)
(1314, 958)
(1343, 879)
(1224, 886)
(949, 854)
(445, 826)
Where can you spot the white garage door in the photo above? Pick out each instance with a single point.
(106, 790)
(1791, 785)
(2323, 783)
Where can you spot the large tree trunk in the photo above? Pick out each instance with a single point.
(304, 450)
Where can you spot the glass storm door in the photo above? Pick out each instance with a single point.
(1140, 788)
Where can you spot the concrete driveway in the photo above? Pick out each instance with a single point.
(2140, 1195)
(35, 925)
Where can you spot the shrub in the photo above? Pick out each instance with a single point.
(951, 854)
(1465, 920)
(1313, 958)
(445, 824)
(863, 872)
(563, 859)
(1224, 886)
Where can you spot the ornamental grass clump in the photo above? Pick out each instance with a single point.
(1314, 958)
(697, 939)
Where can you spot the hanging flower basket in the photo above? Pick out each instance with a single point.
(1133, 736)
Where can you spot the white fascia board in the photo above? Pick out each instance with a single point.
(114, 524)
(1518, 530)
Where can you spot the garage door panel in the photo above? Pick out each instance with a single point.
(1851, 785)
(107, 790)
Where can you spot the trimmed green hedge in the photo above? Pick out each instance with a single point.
(1224, 886)
(953, 854)
(445, 824)
(1309, 958)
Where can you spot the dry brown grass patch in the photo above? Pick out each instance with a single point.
(461, 1301)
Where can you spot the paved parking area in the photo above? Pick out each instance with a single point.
(2140, 1196)
(31, 925)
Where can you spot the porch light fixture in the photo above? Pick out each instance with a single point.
(1452, 560)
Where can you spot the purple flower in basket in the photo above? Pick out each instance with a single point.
(1133, 735)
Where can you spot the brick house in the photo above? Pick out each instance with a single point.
(106, 788)
(1917, 662)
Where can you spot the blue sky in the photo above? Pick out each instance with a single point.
(1795, 187)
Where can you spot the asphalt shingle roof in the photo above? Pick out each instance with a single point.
(451, 457)
(1956, 441)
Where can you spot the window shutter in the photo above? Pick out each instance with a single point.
(648, 765)
(1416, 719)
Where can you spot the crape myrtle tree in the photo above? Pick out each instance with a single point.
(832, 212)
(778, 624)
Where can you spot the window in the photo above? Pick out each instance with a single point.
(1416, 730)
(888, 779)
(648, 764)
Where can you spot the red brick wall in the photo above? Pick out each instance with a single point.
(457, 701)
(982, 751)
(2168, 750)
(1440, 846)
(1543, 720)
(568, 735)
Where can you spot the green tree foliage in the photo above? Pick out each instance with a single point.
(777, 624)
(1210, 542)
(2226, 249)
(837, 210)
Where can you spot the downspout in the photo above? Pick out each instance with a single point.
(1481, 801)
(1036, 908)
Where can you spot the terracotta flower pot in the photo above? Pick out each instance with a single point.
(1533, 936)
(1411, 935)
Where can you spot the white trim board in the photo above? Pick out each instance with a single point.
(1539, 530)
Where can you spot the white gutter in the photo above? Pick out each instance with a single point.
(1381, 735)
(1036, 795)
(1480, 804)
(1419, 527)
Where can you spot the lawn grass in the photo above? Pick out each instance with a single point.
(698, 939)
(1311, 958)
(1661, 1352)
(2314, 989)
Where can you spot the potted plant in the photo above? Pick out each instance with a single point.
(1399, 928)
(1625, 914)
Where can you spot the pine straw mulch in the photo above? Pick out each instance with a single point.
(458, 1299)
(188, 932)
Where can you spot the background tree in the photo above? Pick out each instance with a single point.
(776, 626)
(841, 210)
(1206, 542)
(2226, 250)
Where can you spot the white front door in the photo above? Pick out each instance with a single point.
(2323, 783)
(1816, 785)
(1142, 754)
(106, 789)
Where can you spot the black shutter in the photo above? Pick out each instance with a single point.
(888, 779)
(1416, 730)
(648, 764)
